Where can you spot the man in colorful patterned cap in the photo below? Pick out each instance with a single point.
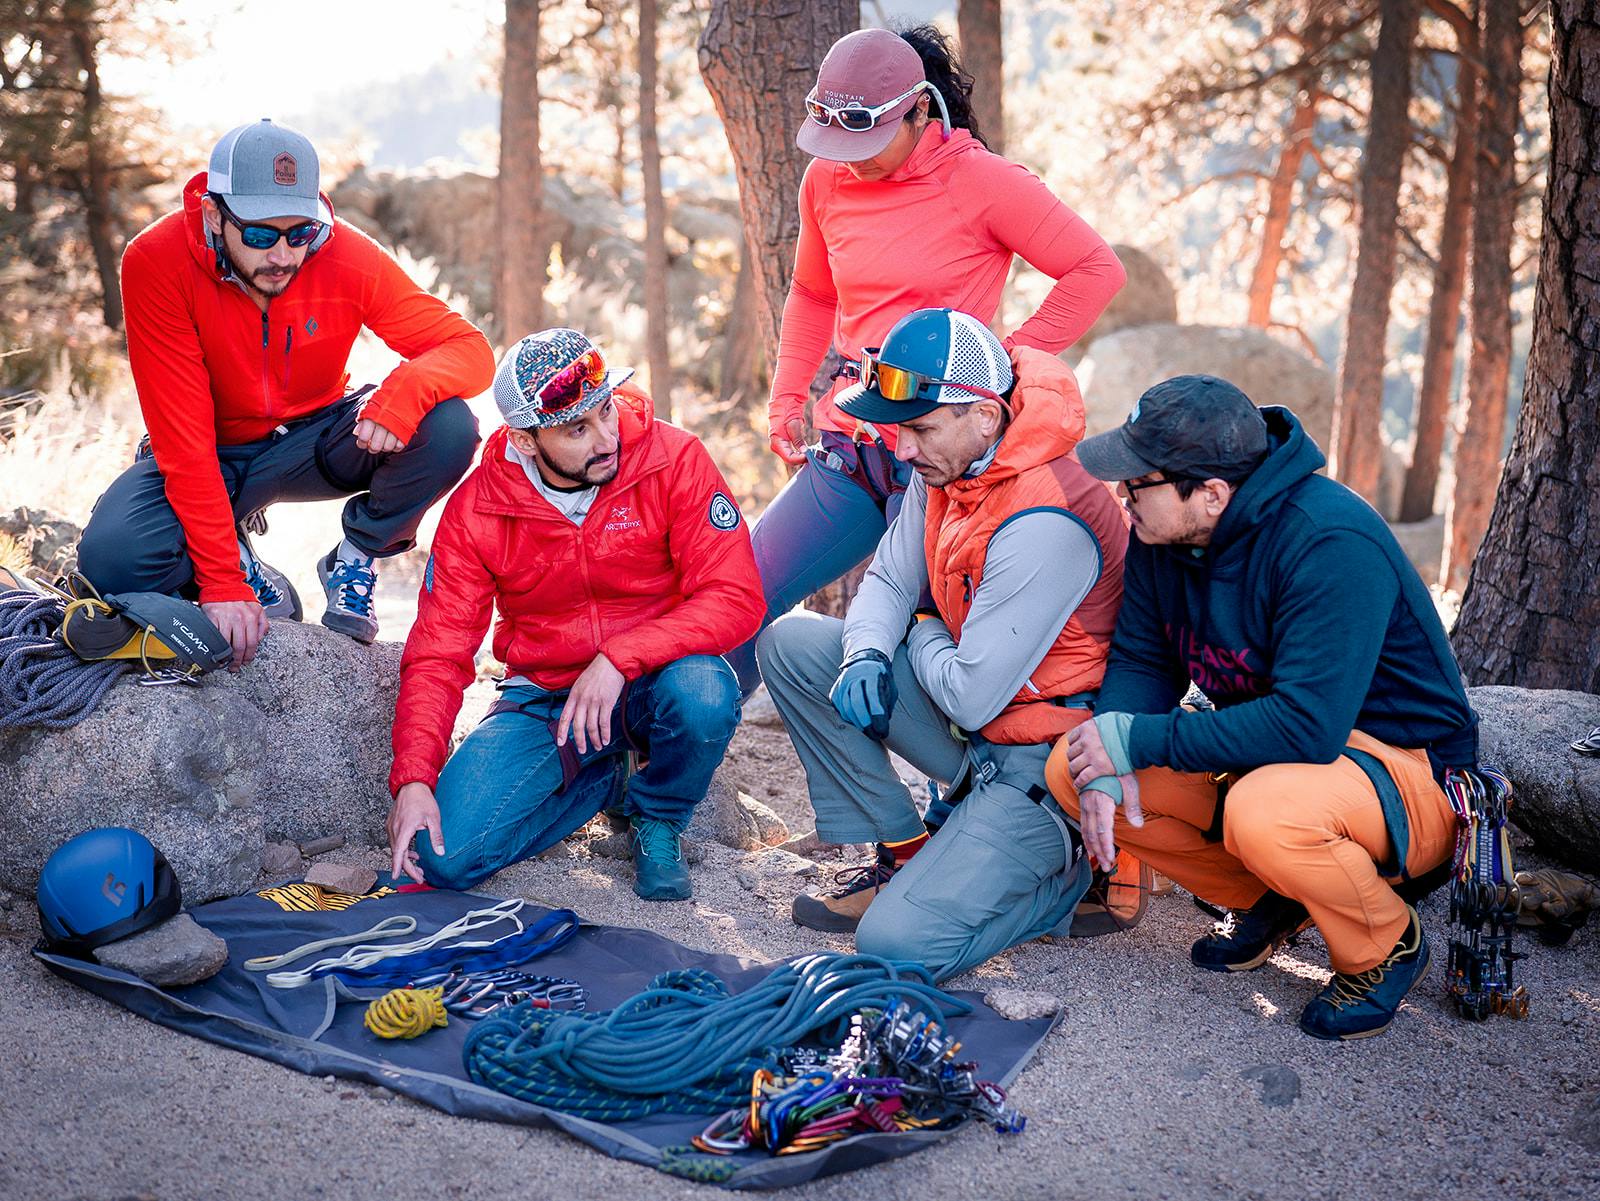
(241, 311)
(1312, 792)
(977, 638)
(622, 571)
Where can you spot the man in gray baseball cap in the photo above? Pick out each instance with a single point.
(241, 311)
(1312, 792)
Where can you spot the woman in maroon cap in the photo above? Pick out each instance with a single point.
(904, 207)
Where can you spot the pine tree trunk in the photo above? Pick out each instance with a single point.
(1444, 307)
(1531, 614)
(524, 246)
(1357, 434)
(1297, 141)
(979, 31)
(96, 186)
(655, 218)
(1483, 428)
(736, 380)
(759, 60)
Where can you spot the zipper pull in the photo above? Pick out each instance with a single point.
(264, 329)
(966, 587)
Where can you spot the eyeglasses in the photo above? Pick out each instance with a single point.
(566, 387)
(265, 237)
(902, 384)
(857, 118)
(1134, 489)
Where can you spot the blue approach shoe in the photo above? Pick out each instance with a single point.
(1361, 1004)
(659, 873)
(1245, 939)
(272, 588)
(349, 584)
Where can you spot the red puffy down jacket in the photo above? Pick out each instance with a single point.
(661, 568)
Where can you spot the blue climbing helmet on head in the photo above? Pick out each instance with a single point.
(101, 886)
(931, 357)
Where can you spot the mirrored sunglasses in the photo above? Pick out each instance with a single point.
(857, 118)
(902, 384)
(566, 388)
(265, 237)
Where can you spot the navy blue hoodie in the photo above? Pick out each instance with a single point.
(1302, 621)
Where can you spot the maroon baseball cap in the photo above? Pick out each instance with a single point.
(869, 67)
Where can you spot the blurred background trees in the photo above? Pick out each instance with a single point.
(1343, 186)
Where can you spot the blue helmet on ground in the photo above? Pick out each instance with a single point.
(101, 886)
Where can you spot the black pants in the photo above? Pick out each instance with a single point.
(135, 543)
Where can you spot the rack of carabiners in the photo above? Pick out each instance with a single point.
(1483, 899)
(476, 995)
(896, 1071)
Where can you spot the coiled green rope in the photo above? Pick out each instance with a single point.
(685, 1045)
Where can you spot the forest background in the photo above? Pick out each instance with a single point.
(1356, 186)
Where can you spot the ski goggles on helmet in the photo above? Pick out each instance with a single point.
(858, 118)
(903, 384)
(566, 387)
(264, 237)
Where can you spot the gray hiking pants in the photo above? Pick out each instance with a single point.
(997, 873)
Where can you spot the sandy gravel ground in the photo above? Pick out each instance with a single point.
(1162, 1082)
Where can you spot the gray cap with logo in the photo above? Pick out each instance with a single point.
(264, 170)
(1190, 426)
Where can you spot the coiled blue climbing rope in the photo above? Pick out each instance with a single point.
(42, 683)
(685, 1044)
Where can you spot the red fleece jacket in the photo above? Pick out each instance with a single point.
(939, 232)
(213, 369)
(660, 568)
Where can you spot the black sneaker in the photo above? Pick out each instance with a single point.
(1361, 1004)
(1243, 940)
(841, 911)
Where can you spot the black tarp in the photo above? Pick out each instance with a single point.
(238, 1009)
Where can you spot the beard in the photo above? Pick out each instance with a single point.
(270, 281)
(601, 469)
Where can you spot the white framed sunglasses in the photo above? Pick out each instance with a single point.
(859, 118)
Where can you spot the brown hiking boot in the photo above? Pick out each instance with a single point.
(841, 911)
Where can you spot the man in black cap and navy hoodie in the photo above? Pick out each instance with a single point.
(1314, 788)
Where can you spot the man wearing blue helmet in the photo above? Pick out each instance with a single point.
(978, 638)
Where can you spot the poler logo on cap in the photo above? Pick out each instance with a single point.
(284, 170)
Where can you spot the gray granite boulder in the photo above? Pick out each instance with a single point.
(734, 818)
(1526, 732)
(178, 951)
(295, 747)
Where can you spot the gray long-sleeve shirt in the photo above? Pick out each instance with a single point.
(1038, 568)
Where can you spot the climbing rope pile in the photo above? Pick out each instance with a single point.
(1483, 899)
(42, 683)
(685, 1044)
(407, 1012)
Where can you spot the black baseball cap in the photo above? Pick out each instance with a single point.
(1191, 426)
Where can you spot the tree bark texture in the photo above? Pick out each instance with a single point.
(524, 244)
(1297, 140)
(1444, 306)
(736, 379)
(1531, 614)
(979, 30)
(759, 59)
(96, 185)
(1483, 415)
(655, 218)
(1357, 434)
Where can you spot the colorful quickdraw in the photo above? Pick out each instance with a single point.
(475, 995)
(895, 1071)
(1483, 899)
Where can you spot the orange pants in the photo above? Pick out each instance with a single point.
(1310, 831)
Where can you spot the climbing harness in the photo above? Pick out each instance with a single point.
(685, 1045)
(1483, 898)
(406, 1013)
(374, 964)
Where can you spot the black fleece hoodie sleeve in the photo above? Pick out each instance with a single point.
(1331, 609)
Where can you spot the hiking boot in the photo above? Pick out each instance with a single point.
(1245, 939)
(349, 582)
(272, 588)
(659, 873)
(1361, 1004)
(841, 911)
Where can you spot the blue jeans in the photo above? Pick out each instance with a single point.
(506, 795)
(827, 519)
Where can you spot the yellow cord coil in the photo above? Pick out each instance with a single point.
(407, 1012)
